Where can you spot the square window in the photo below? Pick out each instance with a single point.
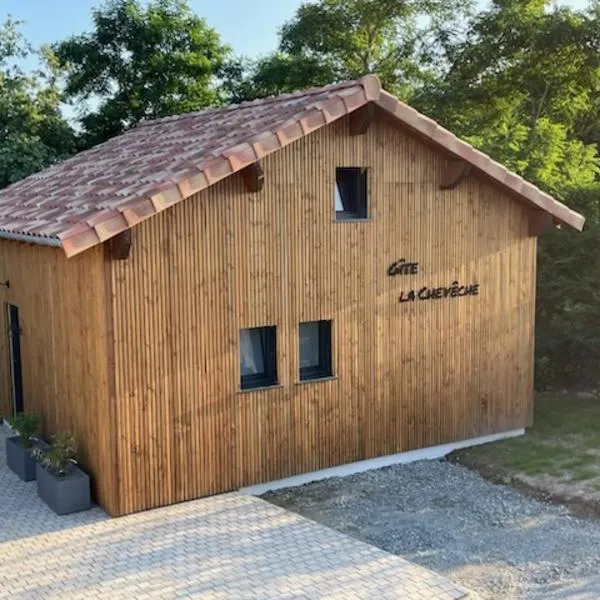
(315, 350)
(350, 194)
(258, 357)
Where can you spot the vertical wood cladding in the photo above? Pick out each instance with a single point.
(407, 375)
(62, 312)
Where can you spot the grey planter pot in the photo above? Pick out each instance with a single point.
(64, 495)
(19, 459)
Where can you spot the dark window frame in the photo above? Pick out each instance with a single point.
(268, 378)
(353, 187)
(325, 367)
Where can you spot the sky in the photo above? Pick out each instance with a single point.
(249, 26)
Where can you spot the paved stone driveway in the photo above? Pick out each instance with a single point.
(227, 546)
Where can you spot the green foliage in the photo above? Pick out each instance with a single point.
(568, 306)
(334, 40)
(59, 458)
(544, 153)
(141, 61)
(561, 447)
(524, 86)
(277, 73)
(28, 427)
(33, 133)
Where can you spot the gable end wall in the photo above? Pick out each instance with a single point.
(408, 375)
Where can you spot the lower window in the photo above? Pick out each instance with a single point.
(315, 350)
(258, 357)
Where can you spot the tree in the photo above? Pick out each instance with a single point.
(524, 86)
(277, 73)
(568, 299)
(141, 61)
(33, 133)
(334, 40)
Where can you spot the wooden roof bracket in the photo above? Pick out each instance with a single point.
(120, 245)
(254, 177)
(539, 222)
(361, 119)
(455, 172)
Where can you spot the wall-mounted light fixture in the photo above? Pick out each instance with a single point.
(6, 283)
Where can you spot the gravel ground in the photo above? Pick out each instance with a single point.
(487, 537)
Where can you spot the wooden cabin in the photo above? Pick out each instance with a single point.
(244, 294)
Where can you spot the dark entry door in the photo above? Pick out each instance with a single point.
(14, 344)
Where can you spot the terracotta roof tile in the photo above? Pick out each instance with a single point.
(102, 191)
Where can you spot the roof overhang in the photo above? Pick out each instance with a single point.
(340, 100)
(515, 185)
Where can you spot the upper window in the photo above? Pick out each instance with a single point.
(258, 357)
(315, 350)
(350, 193)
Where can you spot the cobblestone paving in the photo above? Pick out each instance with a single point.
(227, 546)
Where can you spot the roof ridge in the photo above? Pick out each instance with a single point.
(274, 98)
(111, 187)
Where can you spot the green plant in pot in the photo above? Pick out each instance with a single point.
(60, 456)
(19, 448)
(61, 484)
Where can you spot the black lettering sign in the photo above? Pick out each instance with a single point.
(410, 297)
(454, 290)
(401, 267)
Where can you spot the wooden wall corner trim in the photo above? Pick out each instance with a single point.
(455, 172)
(539, 222)
(361, 119)
(112, 417)
(254, 177)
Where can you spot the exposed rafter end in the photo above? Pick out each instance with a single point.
(254, 177)
(120, 245)
(539, 222)
(361, 119)
(455, 173)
